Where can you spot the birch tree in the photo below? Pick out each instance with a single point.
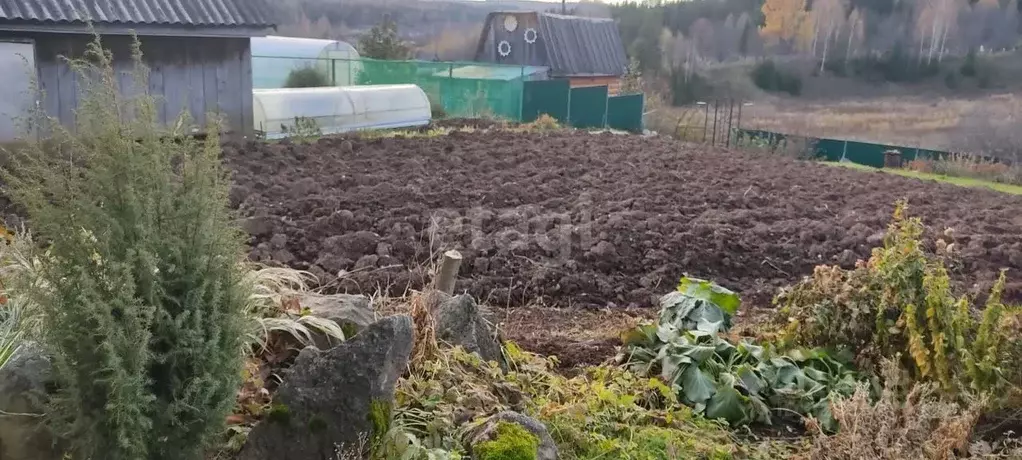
(855, 34)
(828, 16)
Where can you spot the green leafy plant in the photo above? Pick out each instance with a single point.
(140, 289)
(306, 77)
(738, 382)
(898, 305)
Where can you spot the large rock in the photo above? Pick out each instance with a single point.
(460, 323)
(336, 397)
(547, 449)
(23, 391)
(352, 313)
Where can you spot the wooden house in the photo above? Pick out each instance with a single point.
(198, 52)
(586, 51)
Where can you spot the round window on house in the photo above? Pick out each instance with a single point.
(504, 48)
(531, 35)
(510, 23)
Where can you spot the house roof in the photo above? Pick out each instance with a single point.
(580, 46)
(141, 14)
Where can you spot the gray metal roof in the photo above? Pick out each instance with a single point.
(579, 46)
(164, 13)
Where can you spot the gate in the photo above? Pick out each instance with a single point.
(588, 107)
(548, 97)
(625, 112)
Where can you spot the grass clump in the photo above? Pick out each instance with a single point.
(512, 442)
(140, 290)
(544, 123)
(606, 412)
(898, 306)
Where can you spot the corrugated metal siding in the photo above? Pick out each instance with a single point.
(577, 46)
(208, 13)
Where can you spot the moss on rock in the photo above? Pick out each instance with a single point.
(512, 442)
(380, 417)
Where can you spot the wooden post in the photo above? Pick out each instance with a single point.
(448, 272)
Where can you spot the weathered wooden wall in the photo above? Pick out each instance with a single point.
(613, 84)
(187, 74)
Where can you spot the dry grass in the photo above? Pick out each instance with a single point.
(423, 308)
(895, 120)
(920, 427)
(985, 125)
(684, 123)
(960, 165)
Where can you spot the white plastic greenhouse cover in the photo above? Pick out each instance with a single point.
(274, 57)
(337, 110)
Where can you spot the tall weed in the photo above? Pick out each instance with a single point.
(899, 305)
(919, 425)
(140, 289)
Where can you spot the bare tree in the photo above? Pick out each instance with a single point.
(828, 17)
(702, 34)
(855, 32)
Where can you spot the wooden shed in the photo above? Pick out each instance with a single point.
(198, 52)
(586, 51)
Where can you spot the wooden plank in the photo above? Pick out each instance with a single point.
(246, 89)
(157, 63)
(123, 68)
(229, 93)
(212, 55)
(50, 86)
(67, 94)
(175, 84)
(196, 85)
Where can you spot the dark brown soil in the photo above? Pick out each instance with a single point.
(576, 219)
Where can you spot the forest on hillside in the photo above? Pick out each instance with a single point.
(673, 42)
(665, 36)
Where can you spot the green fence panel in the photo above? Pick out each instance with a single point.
(864, 153)
(461, 89)
(548, 97)
(588, 107)
(830, 149)
(625, 112)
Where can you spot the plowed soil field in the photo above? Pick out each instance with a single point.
(569, 219)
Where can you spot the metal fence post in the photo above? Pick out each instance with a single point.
(730, 120)
(713, 136)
